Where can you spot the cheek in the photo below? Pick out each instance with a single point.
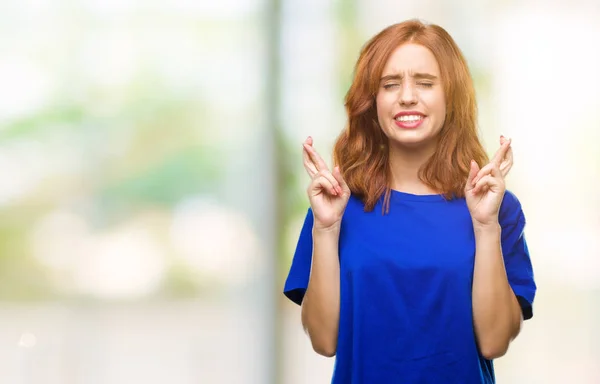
(442, 105)
(441, 111)
(382, 107)
(436, 103)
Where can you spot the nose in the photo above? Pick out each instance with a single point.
(408, 95)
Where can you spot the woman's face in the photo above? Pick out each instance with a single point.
(411, 105)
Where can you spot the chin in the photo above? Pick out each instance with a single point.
(412, 141)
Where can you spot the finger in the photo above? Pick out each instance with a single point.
(474, 168)
(321, 184)
(344, 189)
(501, 153)
(482, 190)
(309, 165)
(316, 158)
(484, 171)
(507, 163)
(486, 181)
(332, 180)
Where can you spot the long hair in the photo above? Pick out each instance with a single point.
(361, 150)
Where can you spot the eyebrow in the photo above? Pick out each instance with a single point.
(418, 75)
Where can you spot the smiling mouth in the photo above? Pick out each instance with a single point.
(409, 118)
(409, 121)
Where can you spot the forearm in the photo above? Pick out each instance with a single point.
(496, 313)
(321, 304)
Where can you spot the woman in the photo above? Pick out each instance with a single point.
(411, 266)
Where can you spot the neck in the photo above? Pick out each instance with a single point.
(404, 167)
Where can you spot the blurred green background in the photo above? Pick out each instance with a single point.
(152, 187)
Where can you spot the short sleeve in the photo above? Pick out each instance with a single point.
(297, 279)
(517, 260)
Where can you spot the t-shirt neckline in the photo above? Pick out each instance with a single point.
(405, 196)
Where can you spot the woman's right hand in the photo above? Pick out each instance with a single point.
(328, 192)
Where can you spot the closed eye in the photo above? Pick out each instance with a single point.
(390, 86)
(425, 84)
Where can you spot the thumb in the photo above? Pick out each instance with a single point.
(474, 168)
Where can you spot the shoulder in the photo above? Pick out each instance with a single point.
(511, 211)
(355, 202)
(356, 214)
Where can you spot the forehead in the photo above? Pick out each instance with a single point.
(409, 58)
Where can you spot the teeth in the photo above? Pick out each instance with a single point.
(409, 118)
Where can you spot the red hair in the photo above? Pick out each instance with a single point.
(361, 149)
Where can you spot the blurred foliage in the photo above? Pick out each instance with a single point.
(145, 153)
(21, 277)
(143, 145)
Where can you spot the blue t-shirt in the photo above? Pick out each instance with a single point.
(405, 296)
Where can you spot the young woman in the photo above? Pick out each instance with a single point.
(411, 266)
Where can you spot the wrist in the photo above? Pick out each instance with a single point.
(319, 229)
(487, 229)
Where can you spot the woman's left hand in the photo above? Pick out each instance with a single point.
(485, 187)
